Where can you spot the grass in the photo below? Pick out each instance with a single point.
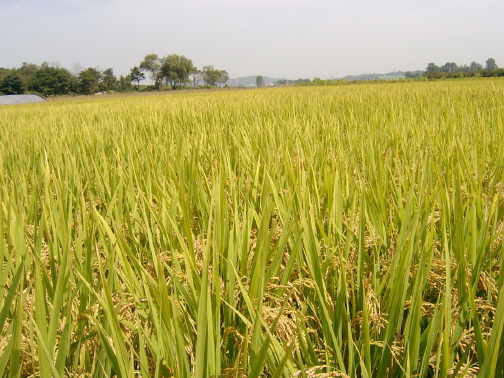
(299, 232)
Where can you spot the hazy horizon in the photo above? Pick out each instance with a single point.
(277, 38)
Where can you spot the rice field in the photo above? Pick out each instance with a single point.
(350, 231)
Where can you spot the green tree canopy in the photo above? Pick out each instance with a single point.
(432, 67)
(136, 75)
(176, 70)
(152, 64)
(449, 67)
(52, 81)
(475, 67)
(89, 81)
(11, 85)
(213, 76)
(27, 71)
(124, 83)
(491, 64)
(108, 80)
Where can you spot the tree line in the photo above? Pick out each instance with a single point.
(433, 71)
(474, 69)
(173, 72)
(177, 71)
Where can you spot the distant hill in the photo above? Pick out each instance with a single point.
(376, 76)
(250, 81)
(384, 76)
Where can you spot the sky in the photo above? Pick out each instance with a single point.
(278, 38)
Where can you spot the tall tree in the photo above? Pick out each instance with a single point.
(176, 70)
(475, 67)
(4, 72)
(152, 64)
(89, 81)
(137, 76)
(124, 82)
(464, 68)
(491, 64)
(108, 80)
(11, 85)
(432, 68)
(213, 76)
(26, 72)
(449, 67)
(51, 81)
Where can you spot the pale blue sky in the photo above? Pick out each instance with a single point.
(281, 38)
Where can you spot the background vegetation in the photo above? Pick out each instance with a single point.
(177, 71)
(451, 70)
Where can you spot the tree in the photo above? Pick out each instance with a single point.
(432, 68)
(89, 81)
(176, 70)
(464, 68)
(136, 75)
(4, 72)
(124, 82)
(108, 80)
(433, 71)
(26, 72)
(475, 67)
(213, 76)
(210, 75)
(491, 65)
(259, 82)
(449, 67)
(223, 77)
(152, 64)
(11, 85)
(414, 74)
(52, 81)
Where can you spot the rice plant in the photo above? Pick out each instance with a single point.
(350, 231)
